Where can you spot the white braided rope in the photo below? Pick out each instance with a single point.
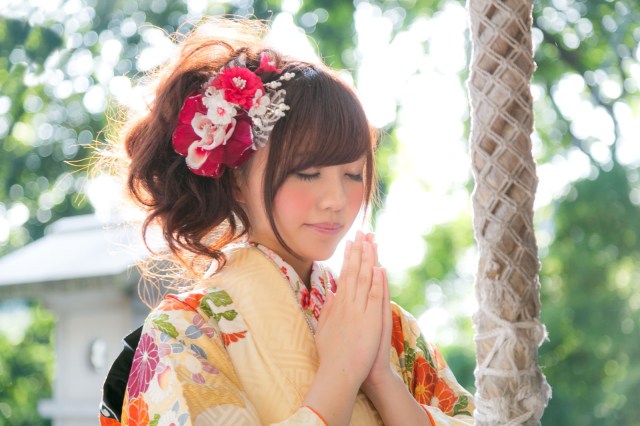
(511, 389)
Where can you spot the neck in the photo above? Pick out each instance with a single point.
(302, 268)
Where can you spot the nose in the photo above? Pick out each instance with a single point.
(334, 194)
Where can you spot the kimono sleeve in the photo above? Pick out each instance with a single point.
(183, 375)
(426, 373)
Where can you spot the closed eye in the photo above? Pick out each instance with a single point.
(307, 176)
(356, 177)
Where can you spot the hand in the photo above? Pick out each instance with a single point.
(381, 368)
(350, 325)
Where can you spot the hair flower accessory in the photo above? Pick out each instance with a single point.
(230, 118)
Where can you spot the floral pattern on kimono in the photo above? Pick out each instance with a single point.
(183, 372)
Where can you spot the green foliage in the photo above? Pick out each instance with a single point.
(26, 371)
(590, 283)
(445, 244)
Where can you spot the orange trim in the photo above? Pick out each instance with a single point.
(433, 422)
(317, 414)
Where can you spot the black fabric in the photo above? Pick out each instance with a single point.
(116, 382)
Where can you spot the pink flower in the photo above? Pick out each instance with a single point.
(143, 367)
(239, 85)
(267, 64)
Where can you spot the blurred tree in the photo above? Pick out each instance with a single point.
(26, 371)
(591, 285)
(58, 68)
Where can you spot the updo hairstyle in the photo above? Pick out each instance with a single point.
(325, 125)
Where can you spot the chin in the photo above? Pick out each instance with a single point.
(322, 255)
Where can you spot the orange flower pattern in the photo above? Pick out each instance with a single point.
(138, 413)
(233, 337)
(424, 370)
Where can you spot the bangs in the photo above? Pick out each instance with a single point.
(325, 125)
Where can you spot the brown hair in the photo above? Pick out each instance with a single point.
(198, 216)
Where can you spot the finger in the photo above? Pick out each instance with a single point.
(376, 294)
(354, 265)
(344, 271)
(371, 238)
(365, 275)
(386, 306)
(375, 253)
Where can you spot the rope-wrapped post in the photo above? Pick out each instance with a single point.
(511, 389)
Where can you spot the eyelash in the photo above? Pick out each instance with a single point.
(311, 176)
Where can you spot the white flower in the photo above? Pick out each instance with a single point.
(160, 386)
(219, 111)
(260, 104)
(169, 418)
(195, 156)
(211, 135)
(203, 127)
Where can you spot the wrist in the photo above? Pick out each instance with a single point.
(332, 395)
(393, 401)
(380, 381)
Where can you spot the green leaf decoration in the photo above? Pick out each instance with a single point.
(204, 307)
(220, 298)
(163, 324)
(422, 345)
(461, 406)
(155, 420)
(409, 356)
(229, 315)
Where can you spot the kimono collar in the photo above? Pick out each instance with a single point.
(310, 301)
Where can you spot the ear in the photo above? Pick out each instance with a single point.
(239, 186)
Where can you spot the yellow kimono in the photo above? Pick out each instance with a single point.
(239, 350)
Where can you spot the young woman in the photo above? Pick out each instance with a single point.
(259, 164)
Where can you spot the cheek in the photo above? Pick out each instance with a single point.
(355, 198)
(293, 202)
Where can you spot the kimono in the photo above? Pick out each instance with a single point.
(239, 349)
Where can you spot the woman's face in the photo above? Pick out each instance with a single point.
(313, 209)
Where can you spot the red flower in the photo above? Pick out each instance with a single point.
(267, 64)
(233, 337)
(211, 162)
(333, 287)
(315, 294)
(443, 397)
(239, 85)
(316, 311)
(107, 421)
(424, 381)
(397, 336)
(305, 298)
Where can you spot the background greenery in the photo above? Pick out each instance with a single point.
(589, 237)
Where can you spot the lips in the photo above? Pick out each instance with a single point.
(325, 227)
